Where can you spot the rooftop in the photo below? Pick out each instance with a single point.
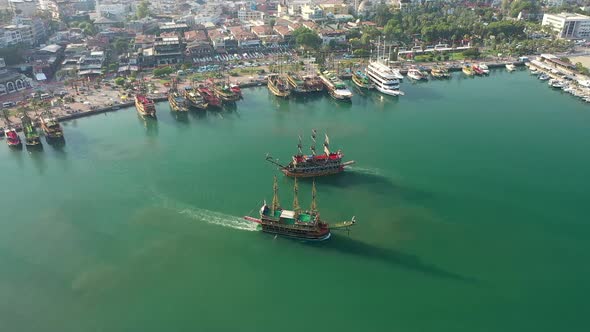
(571, 16)
(51, 48)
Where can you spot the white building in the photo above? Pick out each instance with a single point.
(568, 26)
(112, 9)
(311, 12)
(247, 14)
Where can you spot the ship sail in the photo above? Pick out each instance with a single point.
(313, 135)
(327, 145)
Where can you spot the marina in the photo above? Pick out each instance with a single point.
(440, 175)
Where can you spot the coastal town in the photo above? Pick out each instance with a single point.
(62, 59)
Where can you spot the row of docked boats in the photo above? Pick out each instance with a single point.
(564, 83)
(475, 69)
(48, 123)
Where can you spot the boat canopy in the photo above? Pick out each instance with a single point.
(286, 214)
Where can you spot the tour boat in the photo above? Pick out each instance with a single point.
(313, 165)
(415, 74)
(12, 138)
(50, 126)
(235, 88)
(296, 223)
(510, 67)
(31, 135)
(361, 80)
(178, 103)
(278, 86)
(225, 93)
(210, 98)
(336, 87)
(144, 105)
(194, 99)
(383, 78)
(467, 70)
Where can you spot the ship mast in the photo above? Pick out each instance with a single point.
(275, 196)
(299, 146)
(312, 147)
(296, 207)
(327, 145)
(313, 197)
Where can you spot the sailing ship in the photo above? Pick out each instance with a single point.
(31, 135)
(439, 72)
(336, 87)
(194, 99)
(12, 138)
(313, 165)
(295, 223)
(177, 101)
(278, 86)
(361, 80)
(209, 97)
(235, 88)
(50, 126)
(145, 106)
(225, 93)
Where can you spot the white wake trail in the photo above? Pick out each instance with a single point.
(218, 218)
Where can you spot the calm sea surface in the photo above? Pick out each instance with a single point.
(471, 198)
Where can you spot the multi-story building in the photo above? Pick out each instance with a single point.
(168, 50)
(246, 14)
(16, 34)
(11, 81)
(25, 8)
(568, 26)
(329, 36)
(112, 9)
(197, 42)
(335, 7)
(312, 12)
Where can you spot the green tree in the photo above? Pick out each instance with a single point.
(382, 14)
(471, 53)
(143, 9)
(307, 39)
(164, 71)
(121, 45)
(119, 81)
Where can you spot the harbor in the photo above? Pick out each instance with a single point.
(152, 210)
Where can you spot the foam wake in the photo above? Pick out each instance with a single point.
(218, 218)
(363, 170)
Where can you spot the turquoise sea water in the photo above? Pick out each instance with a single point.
(471, 200)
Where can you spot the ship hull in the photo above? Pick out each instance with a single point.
(295, 174)
(284, 233)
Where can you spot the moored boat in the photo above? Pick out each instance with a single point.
(235, 88)
(194, 99)
(145, 106)
(335, 86)
(477, 70)
(296, 83)
(313, 165)
(439, 72)
(510, 67)
(50, 126)
(484, 68)
(225, 93)
(278, 86)
(296, 223)
(544, 77)
(467, 70)
(385, 79)
(178, 103)
(210, 98)
(415, 74)
(360, 78)
(31, 135)
(12, 138)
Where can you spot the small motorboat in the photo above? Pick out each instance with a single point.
(544, 77)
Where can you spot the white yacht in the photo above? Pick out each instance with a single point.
(415, 74)
(384, 78)
(510, 67)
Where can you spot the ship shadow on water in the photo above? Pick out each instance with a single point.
(343, 244)
(373, 183)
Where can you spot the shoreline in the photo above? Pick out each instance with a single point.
(251, 84)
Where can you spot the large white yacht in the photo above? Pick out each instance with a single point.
(384, 78)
